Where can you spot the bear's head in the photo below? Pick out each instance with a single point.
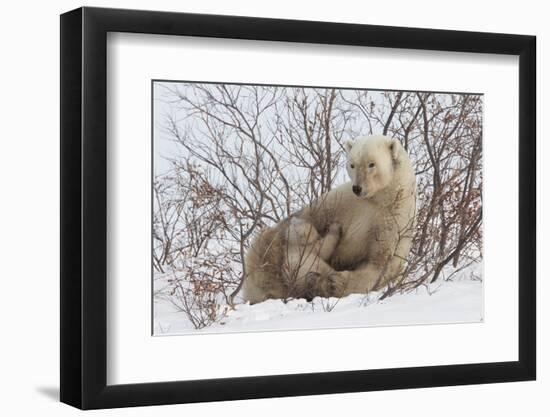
(371, 163)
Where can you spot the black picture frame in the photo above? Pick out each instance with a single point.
(84, 207)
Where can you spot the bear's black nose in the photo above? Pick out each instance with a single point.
(356, 189)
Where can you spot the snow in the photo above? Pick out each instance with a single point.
(456, 301)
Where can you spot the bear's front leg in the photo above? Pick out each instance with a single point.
(327, 244)
(359, 281)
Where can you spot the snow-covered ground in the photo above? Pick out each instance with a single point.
(456, 301)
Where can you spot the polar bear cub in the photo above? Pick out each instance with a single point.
(307, 256)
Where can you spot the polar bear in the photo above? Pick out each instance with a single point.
(375, 210)
(289, 261)
(307, 254)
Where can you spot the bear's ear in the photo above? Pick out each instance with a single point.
(395, 147)
(348, 144)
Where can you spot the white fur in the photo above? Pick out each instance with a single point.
(377, 224)
(366, 234)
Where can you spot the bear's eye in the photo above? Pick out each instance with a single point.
(351, 166)
(371, 165)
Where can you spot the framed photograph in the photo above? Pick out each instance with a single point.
(256, 207)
